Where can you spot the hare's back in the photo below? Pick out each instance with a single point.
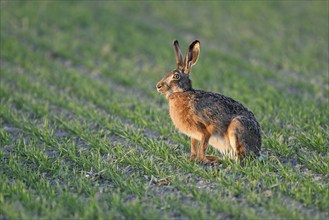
(216, 108)
(218, 103)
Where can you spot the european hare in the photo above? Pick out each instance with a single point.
(207, 117)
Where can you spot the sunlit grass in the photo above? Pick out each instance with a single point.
(84, 134)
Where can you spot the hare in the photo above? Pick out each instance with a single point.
(207, 117)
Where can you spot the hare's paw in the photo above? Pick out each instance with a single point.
(192, 156)
(210, 160)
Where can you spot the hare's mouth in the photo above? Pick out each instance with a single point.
(161, 90)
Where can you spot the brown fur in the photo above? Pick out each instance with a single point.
(207, 117)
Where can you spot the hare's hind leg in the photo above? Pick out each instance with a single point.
(194, 143)
(234, 131)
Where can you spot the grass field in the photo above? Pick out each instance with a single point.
(85, 135)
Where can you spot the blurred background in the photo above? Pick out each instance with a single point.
(282, 44)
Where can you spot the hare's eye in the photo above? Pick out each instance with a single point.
(176, 76)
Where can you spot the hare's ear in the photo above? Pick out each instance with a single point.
(191, 56)
(179, 56)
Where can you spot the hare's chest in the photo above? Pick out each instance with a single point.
(182, 117)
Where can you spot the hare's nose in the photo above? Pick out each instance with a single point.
(159, 85)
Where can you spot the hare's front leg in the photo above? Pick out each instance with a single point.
(194, 143)
(207, 159)
(203, 147)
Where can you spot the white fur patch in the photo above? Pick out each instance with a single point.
(220, 144)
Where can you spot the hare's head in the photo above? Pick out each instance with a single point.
(178, 80)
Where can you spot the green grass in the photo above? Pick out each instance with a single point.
(85, 135)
